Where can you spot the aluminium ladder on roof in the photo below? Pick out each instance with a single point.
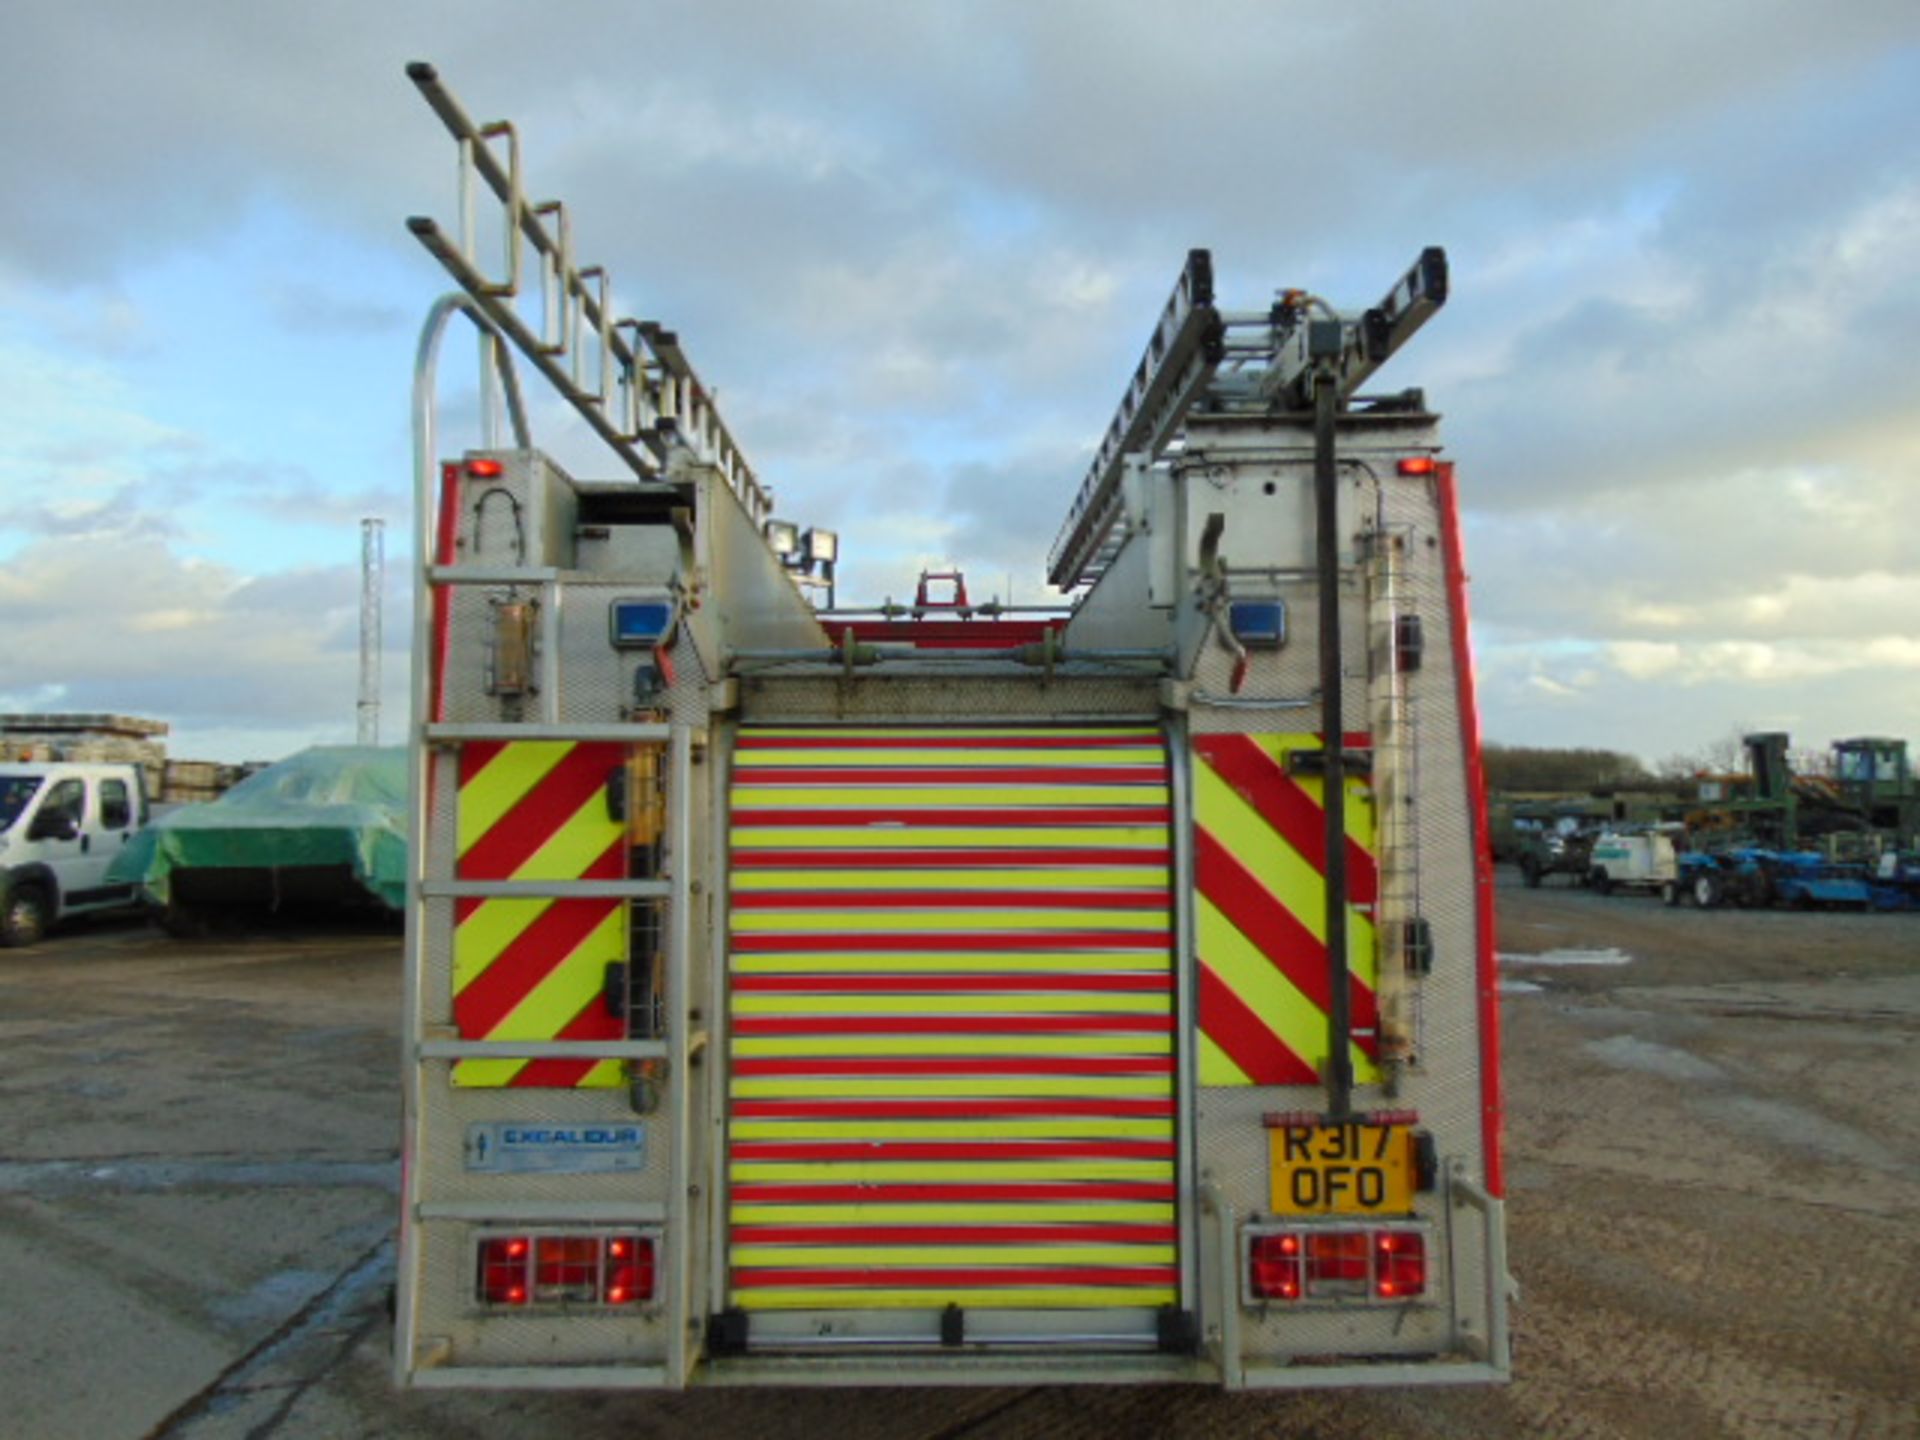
(1248, 363)
(630, 380)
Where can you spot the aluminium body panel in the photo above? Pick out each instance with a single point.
(585, 705)
(1222, 1136)
(1119, 613)
(742, 597)
(1258, 479)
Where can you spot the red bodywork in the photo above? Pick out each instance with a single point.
(1453, 554)
(946, 634)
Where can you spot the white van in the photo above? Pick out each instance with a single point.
(61, 824)
(1642, 859)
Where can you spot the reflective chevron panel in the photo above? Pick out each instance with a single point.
(526, 968)
(1260, 913)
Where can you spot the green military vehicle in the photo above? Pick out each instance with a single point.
(1553, 851)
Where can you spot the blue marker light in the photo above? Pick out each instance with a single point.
(641, 624)
(1258, 624)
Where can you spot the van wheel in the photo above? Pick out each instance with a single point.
(25, 919)
(1600, 881)
(1670, 892)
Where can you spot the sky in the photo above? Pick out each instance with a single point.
(917, 249)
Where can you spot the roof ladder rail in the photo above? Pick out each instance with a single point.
(1396, 781)
(1185, 350)
(639, 392)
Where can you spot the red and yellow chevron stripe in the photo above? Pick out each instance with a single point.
(1260, 909)
(535, 968)
(952, 1035)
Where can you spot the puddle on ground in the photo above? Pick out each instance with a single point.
(1811, 1133)
(271, 1300)
(1569, 957)
(1520, 987)
(1630, 1052)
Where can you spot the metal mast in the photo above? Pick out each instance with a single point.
(373, 569)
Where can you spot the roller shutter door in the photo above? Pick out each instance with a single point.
(951, 1038)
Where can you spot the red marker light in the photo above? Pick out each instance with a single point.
(490, 469)
(630, 1270)
(1399, 1264)
(503, 1271)
(1416, 465)
(1273, 1267)
(539, 1271)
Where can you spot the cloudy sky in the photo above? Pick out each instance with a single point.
(917, 247)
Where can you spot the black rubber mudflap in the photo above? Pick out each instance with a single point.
(953, 1326)
(727, 1333)
(1178, 1331)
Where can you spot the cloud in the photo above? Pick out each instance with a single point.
(1755, 553)
(297, 499)
(80, 518)
(72, 412)
(125, 624)
(1646, 659)
(1652, 699)
(1767, 662)
(918, 249)
(993, 504)
(304, 307)
(94, 323)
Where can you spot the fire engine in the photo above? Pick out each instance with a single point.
(946, 993)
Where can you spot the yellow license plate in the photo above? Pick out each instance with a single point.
(1350, 1169)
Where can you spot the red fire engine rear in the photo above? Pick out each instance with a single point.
(946, 993)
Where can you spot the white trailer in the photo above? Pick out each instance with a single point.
(806, 997)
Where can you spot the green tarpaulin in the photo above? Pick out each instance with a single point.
(340, 808)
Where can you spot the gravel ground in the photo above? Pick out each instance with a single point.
(1714, 1142)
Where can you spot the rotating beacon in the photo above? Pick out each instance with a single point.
(963, 994)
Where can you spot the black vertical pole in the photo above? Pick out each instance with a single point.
(1326, 496)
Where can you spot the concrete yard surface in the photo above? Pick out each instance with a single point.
(1714, 1202)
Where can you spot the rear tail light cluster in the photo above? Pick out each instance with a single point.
(515, 1271)
(1350, 1263)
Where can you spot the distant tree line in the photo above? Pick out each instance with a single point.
(1542, 767)
(1537, 767)
(1728, 756)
